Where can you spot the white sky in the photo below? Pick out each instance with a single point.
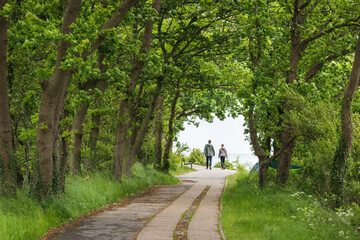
(229, 132)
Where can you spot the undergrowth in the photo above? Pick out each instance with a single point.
(281, 213)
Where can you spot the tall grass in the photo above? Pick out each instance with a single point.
(26, 218)
(279, 213)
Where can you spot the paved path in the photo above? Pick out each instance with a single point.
(156, 215)
(204, 223)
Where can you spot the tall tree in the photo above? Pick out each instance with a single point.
(54, 90)
(301, 38)
(80, 115)
(6, 147)
(343, 149)
(131, 131)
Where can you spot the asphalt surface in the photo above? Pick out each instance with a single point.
(157, 214)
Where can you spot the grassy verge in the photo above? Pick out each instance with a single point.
(280, 213)
(25, 218)
(180, 170)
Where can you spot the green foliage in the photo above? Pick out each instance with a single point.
(316, 126)
(26, 218)
(197, 157)
(175, 161)
(285, 213)
(312, 121)
(228, 165)
(199, 52)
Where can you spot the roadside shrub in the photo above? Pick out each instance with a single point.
(175, 161)
(228, 165)
(197, 157)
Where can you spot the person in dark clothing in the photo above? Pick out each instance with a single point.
(209, 152)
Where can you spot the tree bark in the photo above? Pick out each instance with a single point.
(297, 47)
(54, 91)
(259, 151)
(342, 152)
(94, 136)
(52, 100)
(96, 119)
(128, 144)
(122, 142)
(158, 133)
(170, 137)
(301, 10)
(64, 156)
(264, 159)
(7, 181)
(283, 170)
(135, 146)
(77, 130)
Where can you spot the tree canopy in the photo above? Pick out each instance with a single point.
(100, 84)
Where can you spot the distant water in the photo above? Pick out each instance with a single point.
(245, 159)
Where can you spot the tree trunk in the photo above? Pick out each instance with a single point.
(7, 180)
(170, 137)
(342, 152)
(77, 130)
(101, 85)
(122, 142)
(297, 47)
(158, 133)
(283, 170)
(56, 153)
(54, 91)
(259, 151)
(264, 159)
(96, 119)
(52, 102)
(140, 137)
(282, 173)
(127, 145)
(64, 156)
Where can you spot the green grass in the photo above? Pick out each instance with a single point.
(26, 218)
(279, 213)
(180, 170)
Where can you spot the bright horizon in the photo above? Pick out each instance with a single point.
(229, 132)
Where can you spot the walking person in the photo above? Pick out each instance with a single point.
(209, 152)
(222, 156)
